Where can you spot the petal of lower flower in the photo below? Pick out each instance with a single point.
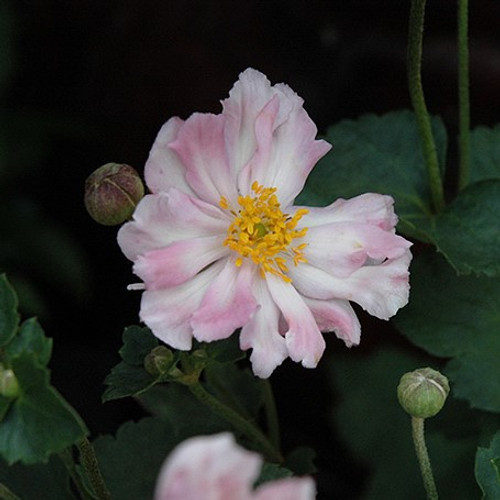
(337, 316)
(303, 338)
(227, 304)
(261, 334)
(168, 311)
(179, 261)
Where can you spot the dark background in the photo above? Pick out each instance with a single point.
(86, 82)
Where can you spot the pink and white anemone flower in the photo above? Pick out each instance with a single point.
(219, 244)
(216, 468)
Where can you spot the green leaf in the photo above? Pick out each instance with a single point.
(129, 377)
(467, 232)
(130, 462)
(458, 317)
(485, 153)
(9, 318)
(369, 419)
(487, 471)
(41, 481)
(32, 340)
(301, 461)
(379, 154)
(39, 422)
(224, 351)
(272, 472)
(172, 402)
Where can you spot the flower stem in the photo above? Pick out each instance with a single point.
(417, 425)
(67, 458)
(240, 423)
(6, 494)
(91, 467)
(271, 414)
(463, 94)
(414, 61)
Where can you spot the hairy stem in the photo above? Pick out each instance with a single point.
(271, 414)
(91, 467)
(244, 426)
(6, 494)
(415, 36)
(463, 94)
(417, 425)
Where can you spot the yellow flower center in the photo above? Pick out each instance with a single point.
(262, 232)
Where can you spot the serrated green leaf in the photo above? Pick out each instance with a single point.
(485, 153)
(272, 472)
(9, 318)
(369, 419)
(130, 462)
(224, 351)
(129, 377)
(39, 422)
(173, 402)
(467, 232)
(379, 154)
(457, 316)
(487, 473)
(32, 340)
(40, 481)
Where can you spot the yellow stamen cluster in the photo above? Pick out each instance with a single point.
(262, 232)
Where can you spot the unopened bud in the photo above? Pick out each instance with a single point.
(9, 386)
(159, 361)
(422, 393)
(112, 193)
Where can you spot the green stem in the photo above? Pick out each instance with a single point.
(243, 425)
(6, 494)
(417, 425)
(463, 94)
(91, 467)
(67, 458)
(271, 414)
(415, 36)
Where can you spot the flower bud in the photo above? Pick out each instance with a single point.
(422, 393)
(159, 361)
(112, 193)
(9, 386)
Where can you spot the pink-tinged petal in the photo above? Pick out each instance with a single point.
(179, 261)
(163, 168)
(342, 248)
(261, 334)
(380, 289)
(292, 488)
(164, 218)
(201, 147)
(303, 338)
(369, 208)
(168, 311)
(227, 304)
(208, 467)
(336, 316)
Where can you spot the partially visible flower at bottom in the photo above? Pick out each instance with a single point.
(216, 468)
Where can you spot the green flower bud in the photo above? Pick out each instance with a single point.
(422, 393)
(159, 361)
(9, 386)
(112, 193)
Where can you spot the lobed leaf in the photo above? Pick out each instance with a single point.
(487, 469)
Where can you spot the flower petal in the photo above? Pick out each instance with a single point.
(227, 304)
(303, 338)
(179, 261)
(163, 168)
(261, 334)
(168, 311)
(337, 316)
(164, 218)
(201, 147)
(211, 467)
(368, 208)
(292, 488)
(379, 289)
(341, 248)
